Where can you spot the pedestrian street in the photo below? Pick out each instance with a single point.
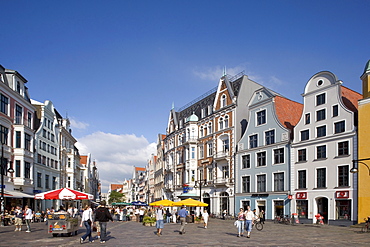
(219, 233)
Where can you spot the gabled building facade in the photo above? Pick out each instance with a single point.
(325, 143)
(263, 157)
(46, 160)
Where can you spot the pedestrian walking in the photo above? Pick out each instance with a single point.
(28, 217)
(18, 213)
(141, 214)
(182, 215)
(262, 216)
(249, 217)
(205, 216)
(240, 222)
(87, 220)
(168, 215)
(103, 216)
(159, 219)
(174, 216)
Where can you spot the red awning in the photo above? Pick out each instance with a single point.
(64, 194)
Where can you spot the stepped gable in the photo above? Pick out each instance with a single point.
(288, 111)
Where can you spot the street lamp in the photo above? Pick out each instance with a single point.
(3, 171)
(200, 182)
(354, 169)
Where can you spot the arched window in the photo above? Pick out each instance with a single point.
(201, 131)
(224, 202)
(223, 100)
(221, 124)
(209, 128)
(226, 121)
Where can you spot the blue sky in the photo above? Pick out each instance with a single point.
(116, 67)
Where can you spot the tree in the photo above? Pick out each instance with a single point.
(116, 196)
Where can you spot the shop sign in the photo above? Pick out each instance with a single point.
(342, 194)
(301, 195)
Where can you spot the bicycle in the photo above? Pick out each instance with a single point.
(258, 225)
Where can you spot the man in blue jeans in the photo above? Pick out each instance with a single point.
(182, 215)
(103, 215)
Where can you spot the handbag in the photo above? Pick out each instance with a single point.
(88, 221)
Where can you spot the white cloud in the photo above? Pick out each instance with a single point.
(116, 155)
(78, 125)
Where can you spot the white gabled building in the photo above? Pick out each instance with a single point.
(46, 160)
(324, 145)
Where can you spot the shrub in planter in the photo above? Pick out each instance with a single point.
(148, 221)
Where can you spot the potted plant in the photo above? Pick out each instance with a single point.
(197, 219)
(148, 221)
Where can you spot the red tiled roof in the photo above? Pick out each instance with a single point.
(288, 111)
(116, 186)
(139, 169)
(350, 98)
(83, 159)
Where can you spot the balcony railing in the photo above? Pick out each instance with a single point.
(222, 154)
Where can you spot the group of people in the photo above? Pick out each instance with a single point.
(245, 220)
(18, 215)
(179, 216)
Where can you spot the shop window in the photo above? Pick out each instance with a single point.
(302, 208)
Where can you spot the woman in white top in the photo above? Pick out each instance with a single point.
(88, 222)
(205, 218)
(249, 217)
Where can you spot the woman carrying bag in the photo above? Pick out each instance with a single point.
(88, 221)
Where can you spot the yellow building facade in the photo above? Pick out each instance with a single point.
(364, 147)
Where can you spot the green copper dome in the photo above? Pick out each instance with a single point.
(367, 66)
(192, 118)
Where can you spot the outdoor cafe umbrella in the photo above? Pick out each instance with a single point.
(139, 203)
(191, 203)
(64, 194)
(121, 204)
(165, 203)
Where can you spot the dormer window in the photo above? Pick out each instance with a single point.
(261, 117)
(18, 87)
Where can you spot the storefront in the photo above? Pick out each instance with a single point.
(342, 205)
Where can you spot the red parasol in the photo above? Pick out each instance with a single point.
(64, 194)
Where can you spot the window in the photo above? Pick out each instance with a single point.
(302, 179)
(225, 172)
(209, 128)
(210, 149)
(18, 87)
(270, 137)
(221, 124)
(27, 169)
(4, 104)
(201, 131)
(321, 131)
(320, 99)
(210, 174)
(279, 156)
(226, 122)
(261, 159)
(201, 151)
(18, 114)
(261, 117)
(335, 111)
(302, 208)
(225, 145)
(69, 163)
(18, 139)
(246, 184)
(54, 185)
(321, 177)
(321, 152)
(305, 135)
(27, 141)
(320, 115)
(193, 152)
(343, 176)
(253, 141)
(246, 161)
(279, 181)
(47, 182)
(17, 168)
(307, 118)
(302, 155)
(223, 100)
(339, 127)
(4, 135)
(261, 183)
(69, 182)
(343, 148)
(29, 120)
(39, 175)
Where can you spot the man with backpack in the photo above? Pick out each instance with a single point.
(159, 219)
(103, 215)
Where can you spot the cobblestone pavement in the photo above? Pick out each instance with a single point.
(219, 233)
